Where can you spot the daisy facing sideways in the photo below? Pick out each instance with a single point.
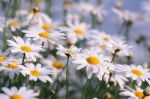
(21, 93)
(36, 72)
(92, 60)
(25, 47)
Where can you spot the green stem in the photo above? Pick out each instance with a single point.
(97, 88)
(4, 35)
(27, 81)
(67, 78)
(24, 55)
(114, 55)
(85, 86)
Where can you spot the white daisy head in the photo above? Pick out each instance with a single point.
(137, 73)
(133, 94)
(14, 24)
(90, 59)
(3, 56)
(37, 33)
(11, 67)
(15, 93)
(37, 72)
(19, 45)
(69, 52)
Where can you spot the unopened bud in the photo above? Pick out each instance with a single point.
(147, 91)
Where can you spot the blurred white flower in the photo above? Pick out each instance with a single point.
(36, 72)
(15, 93)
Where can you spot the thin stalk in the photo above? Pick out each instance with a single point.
(27, 81)
(4, 35)
(85, 86)
(67, 78)
(114, 55)
(24, 55)
(97, 88)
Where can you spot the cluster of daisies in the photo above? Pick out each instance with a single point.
(41, 58)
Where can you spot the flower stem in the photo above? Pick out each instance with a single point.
(85, 86)
(67, 78)
(24, 55)
(114, 55)
(4, 35)
(27, 81)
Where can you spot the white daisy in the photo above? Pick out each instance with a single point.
(71, 51)
(30, 50)
(134, 94)
(119, 47)
(136, 73)
(38, 33)
(3, 56)
(14, 24)
(11, 67)
(36, 72)
(15, 93)
(91, 59)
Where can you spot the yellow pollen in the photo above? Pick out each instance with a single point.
(12, 65)
(137, 72)
(35, 73)
(57, 64)
(44, 35)
(14, 24)
(79, 31)
(16, 96)
(47, 26)
(26, 48)
(139, 94)
(93, 60)
(2, 58)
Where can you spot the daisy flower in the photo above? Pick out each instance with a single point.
(56, 64)
(19, 45)
(14, 24)
(38, 33)
(134, 94)
(71, 51)
(137, 73)
(3, 56)
(120, 48)
(76, 28)
(91, 59)
(36, 72)
(11, 67)
(15, 93)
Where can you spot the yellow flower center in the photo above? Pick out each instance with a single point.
(139, 95)
(12, 65)
(137, 72)
(26, 48)
(93, 60)
(106, 39)
(44, 35)
(14, 24)
(47, 26)
(16, 96)
(79, 31)
(35, 73)
(2, 58)
(57, 64)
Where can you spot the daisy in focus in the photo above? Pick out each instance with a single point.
(15, 93)
(92, 60)
(25, 47)
(37, 72)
